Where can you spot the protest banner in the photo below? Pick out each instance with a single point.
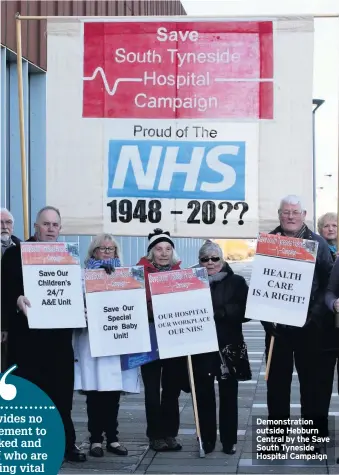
(281, 280)
(117, 311)
(183, 312)
(52, 283)
(134, 360)
(171, 116)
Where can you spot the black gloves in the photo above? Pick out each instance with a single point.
(108, 268)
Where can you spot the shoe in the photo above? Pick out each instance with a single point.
(229, 449)
(116, 448)
(96, 450)
(75, 455)
(159, 445)
(208, 447)
(172, 444)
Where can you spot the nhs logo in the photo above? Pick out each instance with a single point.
(172, 169)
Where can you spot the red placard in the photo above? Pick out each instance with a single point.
(170, 70)
(121, 279)
(287, 247)
(178, 281)
(53, 253)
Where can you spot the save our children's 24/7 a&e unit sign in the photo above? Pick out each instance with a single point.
(172, 117)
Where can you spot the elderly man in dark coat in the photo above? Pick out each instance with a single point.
(7, 237)
(44, 357)
(294, 345)
(7, 240)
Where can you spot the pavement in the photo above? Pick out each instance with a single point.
(252, 405)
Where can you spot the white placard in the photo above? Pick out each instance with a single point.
(52, 283)
(184, 320)
(280, 286)
(117, 312)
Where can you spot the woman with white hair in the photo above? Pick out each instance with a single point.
(230, 364)
(100, 378)
(162, 408)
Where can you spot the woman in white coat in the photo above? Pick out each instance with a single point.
(101, 378)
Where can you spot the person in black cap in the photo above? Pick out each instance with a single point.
(162, 408)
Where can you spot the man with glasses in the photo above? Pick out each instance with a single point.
(294, 345)
(43, 356)
(7, 225)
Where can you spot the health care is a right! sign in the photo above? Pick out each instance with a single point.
(169, 119)
(281, 280)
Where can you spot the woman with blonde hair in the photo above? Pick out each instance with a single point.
(327, 228)
(100, 378)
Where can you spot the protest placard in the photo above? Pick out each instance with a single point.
(117, 311)
(281, 279)
(52, 283)
(183, 312)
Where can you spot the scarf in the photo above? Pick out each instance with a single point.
(302, 233)
(162, 268)
(333, 248)
(97, 263)
(217, 277)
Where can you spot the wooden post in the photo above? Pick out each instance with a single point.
(269, 358)
(195, 406)
(22, 130)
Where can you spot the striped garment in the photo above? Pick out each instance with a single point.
(96, 263)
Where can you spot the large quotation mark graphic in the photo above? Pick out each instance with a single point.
(7, 391)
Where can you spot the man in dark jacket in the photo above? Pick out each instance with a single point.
(44, 357)
(294, 345)
(7, 240)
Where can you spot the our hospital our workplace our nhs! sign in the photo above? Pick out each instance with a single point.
(197, 127)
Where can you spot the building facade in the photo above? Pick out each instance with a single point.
(35, 68)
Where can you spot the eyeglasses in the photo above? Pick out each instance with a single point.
(293, 213)
(213, 259)
(106, 249)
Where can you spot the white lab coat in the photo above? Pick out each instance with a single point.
(102, 373)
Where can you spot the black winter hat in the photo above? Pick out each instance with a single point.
(159, 236)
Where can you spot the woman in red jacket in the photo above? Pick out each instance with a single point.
(162, 408)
